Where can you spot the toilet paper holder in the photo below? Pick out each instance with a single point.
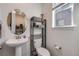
(57, 47)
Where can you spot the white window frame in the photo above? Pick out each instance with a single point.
(72, 16)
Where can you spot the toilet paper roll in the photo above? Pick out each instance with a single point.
(57, 49)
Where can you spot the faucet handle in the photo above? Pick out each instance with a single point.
(18, 37)
(24, 36)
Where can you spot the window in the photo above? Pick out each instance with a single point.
(62, 15)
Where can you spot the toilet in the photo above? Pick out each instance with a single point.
(40, 50)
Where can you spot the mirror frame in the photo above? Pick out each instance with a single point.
(13, 11)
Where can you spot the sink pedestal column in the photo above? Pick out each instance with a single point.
(18, 51)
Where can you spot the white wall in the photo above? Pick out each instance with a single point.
(30, 10)
(68, 39)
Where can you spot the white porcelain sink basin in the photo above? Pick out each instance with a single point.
(16, 42)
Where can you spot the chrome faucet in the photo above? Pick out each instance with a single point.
(18, 37)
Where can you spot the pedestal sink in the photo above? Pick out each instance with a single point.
(17, 43)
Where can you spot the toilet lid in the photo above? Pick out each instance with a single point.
(43, 52)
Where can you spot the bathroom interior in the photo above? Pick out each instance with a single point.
(39, 29)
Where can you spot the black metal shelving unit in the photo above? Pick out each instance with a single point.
(34, 26)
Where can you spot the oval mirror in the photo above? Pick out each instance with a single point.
(16, 21)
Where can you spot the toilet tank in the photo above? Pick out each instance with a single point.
(37, 43)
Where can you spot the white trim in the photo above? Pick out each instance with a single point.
(53, 19)
(67, 26)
